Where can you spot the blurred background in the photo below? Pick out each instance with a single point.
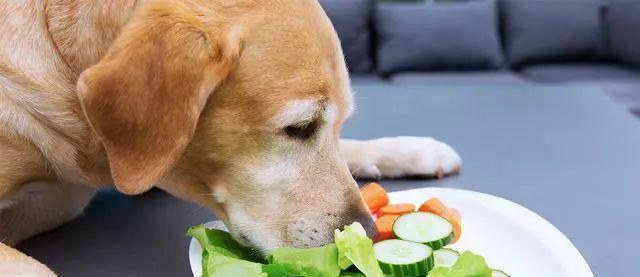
(493, 42)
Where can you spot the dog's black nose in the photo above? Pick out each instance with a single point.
(369, 226)
(367, 223)
(363, 217)
(357, 213)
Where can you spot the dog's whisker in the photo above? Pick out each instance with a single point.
(371, 180)
(255, 251)
(195, 211)
(356, 170)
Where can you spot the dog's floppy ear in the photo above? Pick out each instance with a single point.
(144, 98)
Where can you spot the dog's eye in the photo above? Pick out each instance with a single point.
(302, 131)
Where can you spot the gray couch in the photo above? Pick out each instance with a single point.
(495, 42)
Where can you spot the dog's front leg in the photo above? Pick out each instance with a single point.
(36, 207)
(40, 206)
(399, 157)
(15, 263)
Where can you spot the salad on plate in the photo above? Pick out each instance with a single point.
(410, 243)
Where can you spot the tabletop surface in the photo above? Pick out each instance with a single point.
(569, 154)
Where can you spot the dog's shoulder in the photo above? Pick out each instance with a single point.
(19, 162)
(38, 102)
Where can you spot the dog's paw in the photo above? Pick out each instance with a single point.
(404, 156)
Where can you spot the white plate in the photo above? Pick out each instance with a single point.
(509, 236)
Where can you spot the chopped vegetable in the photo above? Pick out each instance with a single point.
(221, 265)
(400, 258)
(434, 206)
(445, 257)
(355, 247)
(219, 241)
(384, 227)
(396, 209)
(426, 228)
(417, 251)
(319, 261)
(455, 218)
(468, 265)
(375, 196)
(222, 256)
(222, 253)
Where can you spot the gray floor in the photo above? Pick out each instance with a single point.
(567, 153)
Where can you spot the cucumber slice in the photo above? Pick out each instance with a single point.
(426, 228)
(499, 273)
(401, 258)
(445, 257)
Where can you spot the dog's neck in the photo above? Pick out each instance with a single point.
(82, 31)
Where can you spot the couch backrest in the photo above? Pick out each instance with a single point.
(458, 36)
(352, 21)
(530, 32)
(540, 31)
(623, 26)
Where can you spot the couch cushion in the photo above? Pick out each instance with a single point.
(573, 72)
(552, 30)
(623, 18)
(419, 37)
(352, 21)
(458, 78)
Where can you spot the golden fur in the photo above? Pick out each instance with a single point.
(189, 96)
(14, 263)
(177, 92)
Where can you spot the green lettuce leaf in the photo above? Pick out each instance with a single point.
(355, 247)
(468, 265)
(218, 241)
(220, 265)
(279, 270)
(223, 256)
(311, 262)
(205, 263)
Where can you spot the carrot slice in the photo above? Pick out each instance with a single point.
(397, 209)
(455, 218)
(434, 206)
(375, 196)
(384, 226)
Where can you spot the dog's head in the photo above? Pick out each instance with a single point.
(237, 107)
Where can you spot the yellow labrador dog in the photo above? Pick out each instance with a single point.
(233, 104)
